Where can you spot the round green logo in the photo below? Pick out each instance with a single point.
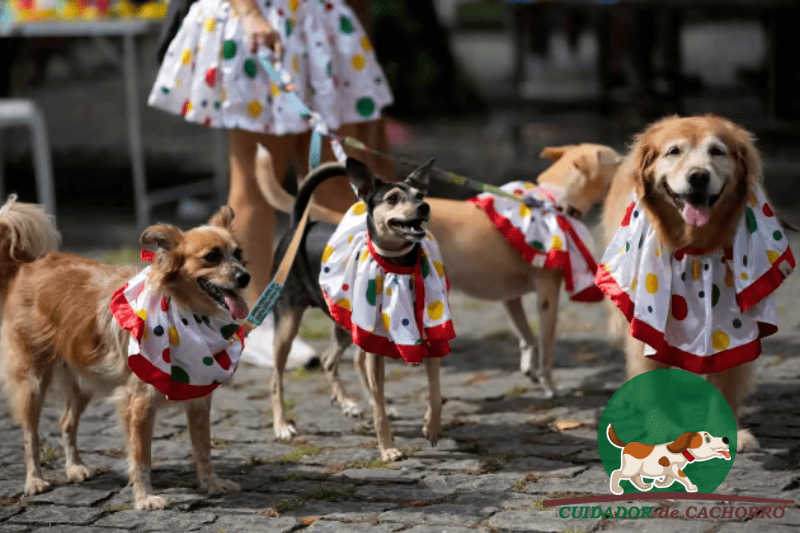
(667, 431)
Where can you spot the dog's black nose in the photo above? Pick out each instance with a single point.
(424, 209)
(725, 440)
(699, 178)
(242, 280)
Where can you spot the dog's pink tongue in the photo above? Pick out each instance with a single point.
(696, 216)
(726, 454)
(237, 306)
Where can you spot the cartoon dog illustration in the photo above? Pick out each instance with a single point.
(664, 463)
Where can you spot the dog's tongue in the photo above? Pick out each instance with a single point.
(726, 454)
(237, 306)
(695, 216)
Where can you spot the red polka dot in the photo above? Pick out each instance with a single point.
(211, 77)
(679, 307)
(519, 191)
(164, 304)
(185, 108)
(328, 6)
(767, 211)
(223, 359)
(627, 218)
(165, 355)
(280, 12)
(207, 122)
(345, 287)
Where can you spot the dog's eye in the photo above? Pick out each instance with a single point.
(716, 151)
(708, 439)
(237, 254)
(392, 198)
(675, 150)
(214, 256)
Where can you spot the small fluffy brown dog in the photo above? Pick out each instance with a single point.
(481, 262)
(57, 328)
(684, 169)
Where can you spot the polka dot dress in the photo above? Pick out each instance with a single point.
(704, 312)
(400, 312)
(181, 354)
(545, 237)
(210, 77)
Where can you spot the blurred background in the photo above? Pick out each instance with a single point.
(482, 86)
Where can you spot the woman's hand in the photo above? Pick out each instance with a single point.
(259, 32)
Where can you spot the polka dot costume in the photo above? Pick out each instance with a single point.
(399, 312)
(703, 312)
(210, 77)
(181, 354)
(545, 237)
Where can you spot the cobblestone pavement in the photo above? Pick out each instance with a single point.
(502, 455)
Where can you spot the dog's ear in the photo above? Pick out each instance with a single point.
(222, 218)
(683, 442)
(361, 177)
(587, 164)
(165, 236)
(608, 157)
(420, 179)
(555, 152)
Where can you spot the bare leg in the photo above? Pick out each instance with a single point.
(330, 363)
(286, 326)
(640, 484)
(138, 413)
(635, 360)
(76, 403)
(198, 416)
(527, 342)
(433, 417)
(375, 378)
(548, 286)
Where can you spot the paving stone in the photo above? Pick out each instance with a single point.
(755, 526)
(72, 495)
(540, 521)
(246, 502)
(78, 529)
(343, 511)
(438, 529)
(157, 520)
(13, 528)
(11, 488)
(659, 525)
(249, 524)
(9, 511)
(321, 526)
(380, 475)
(443, 514)
(56, 514)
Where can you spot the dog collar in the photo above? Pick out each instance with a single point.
(553, 194)
(392, 253)
(689, 457)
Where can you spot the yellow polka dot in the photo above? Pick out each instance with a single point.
(651, 283)
(608, 268)
(350, 238)
(622, 251)
(294, 4)
(556, 243)
(186, 57)
(658, 252)
(174, 338)
(773, 256)
(275, 90)
(366, 44)
(210, 24)
(254, 108)
(296, 63)
(728, 276)
(524, 210)
(344, 304)
(357, 61)
(178, 83)
(744, 275)
(696, 269)
(359, 208)
(720, 340)
(435, 310)
(388, 291)
(633, 284)
(327, 253)
(142, 313)
(386, 321)
(439, 268)
(189, 106)
(364, 254)
(223, 94)
(753, 200)
(378, 284)
(528, 185)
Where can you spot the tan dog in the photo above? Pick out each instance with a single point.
(480, 261)
(693, 175)
(57, 327)
(664, 463)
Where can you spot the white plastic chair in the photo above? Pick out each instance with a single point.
(19, 112)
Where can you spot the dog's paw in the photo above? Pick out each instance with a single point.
(351, 408)
(285, 430)
(150, 502)
(392, 454)
(392, 413)
(216, 486)
(432, 431)
(36, 485)
(78, 473)
(745, 441)
(691, 488)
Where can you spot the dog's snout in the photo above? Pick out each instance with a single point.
(242, 279)
(725, 440)
(424, 209)
(698, 178)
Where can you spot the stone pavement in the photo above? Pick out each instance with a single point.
(503, 453)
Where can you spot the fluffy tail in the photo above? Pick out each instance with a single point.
(612, 437)
(27, 232)
(277, 196)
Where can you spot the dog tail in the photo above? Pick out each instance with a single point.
(612, 437)
(323, 172)
(278, 197)
(27, 233)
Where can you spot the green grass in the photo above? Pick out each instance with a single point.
(219, 444)
(375, 463)
(283, 506)
(491, 461)
(114, 508)
(48, 457)
(516, 391)
(315, 326)
(328, 495)
(296, 455)
(301, 373)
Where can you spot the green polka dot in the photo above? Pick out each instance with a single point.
(229, 49)
(179, 375)
(537, 245)
(346, 25)
(208, 361)
(289, 27)
(365, 106)
(425, 269)
(165, 90)
(329, 69)
(627, 246)
(216, 104)
(371, 291)
(751, 220)
(714, 295)
(777, 235)
(250, 68)
(737, 323)
(228, 331)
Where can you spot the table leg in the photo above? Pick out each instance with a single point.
(135, 144)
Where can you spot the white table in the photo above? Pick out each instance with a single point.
(128, 30)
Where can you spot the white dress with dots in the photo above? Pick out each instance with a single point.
(210, 77)
(545, 236)
(399, 312)
(703, 312)
(181, 354)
